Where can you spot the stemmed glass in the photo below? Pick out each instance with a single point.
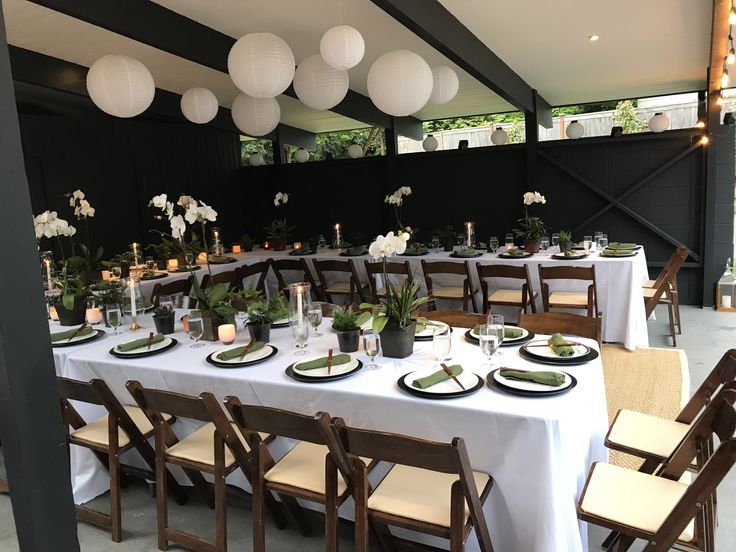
(603, 241)
(196, 328)
(493, 243)
(314, 316)
(441, 345)
(300, 331)
(371, 346)
(114, 316)
(189, 257)
(488, 337)
(496, 322)
(587, 243)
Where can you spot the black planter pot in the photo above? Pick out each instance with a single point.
(449, 245)
(73, 317)
(397, 342)
(210, 325)
(164, 324)
(259, 332)
(565, 246)
(348, 341)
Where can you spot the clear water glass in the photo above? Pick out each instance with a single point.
(555, 240)
(441, 345)
(189, 257)
(603, 242)
(196, 328)
(300, 331)
(116, 272)
(435, 243)
(493, 243)
(509, 241)
(371, 346)
(314, 316)
(114, 316)
(544, 243)
(488, 338)
(587, 242)
(321, 242)
(150, 264)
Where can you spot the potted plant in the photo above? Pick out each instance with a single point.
(246, 243)
(163, 318)
(532, 228)
(262, 313)
(216, 305)
(565, 241)
(107, 293)
(345, 324)
(279, 231)
(447, 236)
(70, 302)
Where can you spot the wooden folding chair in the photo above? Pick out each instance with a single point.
(256, 269)
(183, 286)
(458, 319)
(217, 448)
(654, 284)
(564, 323)
(305, 472)
(121, 429)
(229, 278)
(522, 298)
(450, 293)
(414, 494)
(374, 269)
(587, 301)
(348, 288)
(299, 266)
(666, 292)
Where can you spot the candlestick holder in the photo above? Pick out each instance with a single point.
(470, 233)
(134, 326)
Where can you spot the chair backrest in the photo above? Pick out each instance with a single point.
(678, 253)
(458, 319)
(393, 267)
(562, 322)
(247, 270)
(183, 286)
(722, 373)
(334, 265)
(228, 277)
(448, 267)
(280, 266)
(667, 281)
(586, 273)
(328, 309)
(515, 272)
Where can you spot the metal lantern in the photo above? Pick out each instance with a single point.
(726, 290)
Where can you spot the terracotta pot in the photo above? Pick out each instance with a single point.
(278, 244)
(531, 246)
(210, 325)
(348, 341)
(397, 342)
(73, 317)
(259, 332)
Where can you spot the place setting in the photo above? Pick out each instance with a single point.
(82, 334)
(530, 383)
(515, 253)
(253, 353)
(427, 329)
(323, 368)
(449, 382)
(558, 350)
(510, 336)
(154, 344)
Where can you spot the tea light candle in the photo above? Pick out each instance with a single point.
(226, 333)
(106, 275)
(236, 248)
(266, 245)
(94, 315)
(172, 265)
(297, 245)
(53, 314)
(726, 301)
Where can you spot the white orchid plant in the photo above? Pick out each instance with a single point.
(532, 228)
(82, 207)
(397, 200)
(49, 225)
(279, 229)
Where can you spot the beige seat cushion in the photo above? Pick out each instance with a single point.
(200, 446)
(449, 292)
(419, 494)
(339, 287)
(650, 292)
(648, 283)
(633, 498)
(505, 296)
(572, 298)
(96, 432)
(650, 434)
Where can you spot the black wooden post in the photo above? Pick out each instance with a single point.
(531, 129)
(33, 441)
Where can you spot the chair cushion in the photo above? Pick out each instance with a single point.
(419, 494)
(633, 498)
(200, 446)
(649, 434)
(505, 296)
(95, 432)
(572, 298)
(339, 287)
(449, 292)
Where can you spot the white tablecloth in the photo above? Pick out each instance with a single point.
(538, 450)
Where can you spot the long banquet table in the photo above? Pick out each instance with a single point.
(538, 450)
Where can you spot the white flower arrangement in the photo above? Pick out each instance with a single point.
(49, 225)
(194, 212)
(388, 245)
(280, 199)
(82, 207)
(397, 198)
(534, 197)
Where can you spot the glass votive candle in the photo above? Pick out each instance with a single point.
(53, 314)
(94, 315)
(226, 333)
(297, 245)
(106, 275)
(236, 248)
(172, 265)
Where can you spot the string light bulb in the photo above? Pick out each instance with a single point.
(704, 140)
(724, 78)
(731, 57)
(700, 124)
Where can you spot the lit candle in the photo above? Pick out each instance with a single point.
(299, 300)
(236, 248)
(132, 298)
(47, 262)
(469, 231)
(337, 235)
(226, 333)
(52, 313)
(135, 254)
(297, 245)
(172, 265)
(266, 245)
(106, 275)
(94, 315)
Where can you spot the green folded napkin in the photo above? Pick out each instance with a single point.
(608, 252)
(438, 377)
(138, 343)
(553, 379)
(337, 360)
(419, 328)
(61, 336)
(415, 251)
(556, 342)
(621, 245)
(511, 332)
(571, 253)
(237, 351)
(301, 251)
(516, 252)
(220, 259)
(358, 250)
(467, 252)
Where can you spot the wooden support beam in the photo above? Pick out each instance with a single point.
(718, 51)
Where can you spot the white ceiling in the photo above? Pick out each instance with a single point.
(646, 48)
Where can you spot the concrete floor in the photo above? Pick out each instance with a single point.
(706, 336)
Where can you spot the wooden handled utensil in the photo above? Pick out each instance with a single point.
(329, 361)
(449, 373)
(150, 340)
(76, 333)
(247, 349)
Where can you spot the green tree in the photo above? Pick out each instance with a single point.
(517, 132)
(625, 116)
(249, 147)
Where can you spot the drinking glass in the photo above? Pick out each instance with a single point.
(509, 241)
(114, 316)
(435, 243)
(196, 328)
(300, 331)
(493, 243)
(441, 345)
(189, 258)
(496, 321)
(321, 242)
(488, 337)
(555, 240)
(314, 316)
(371, 346)
(150, 264)
(544, 243)
(116, 272)
(587, 242)
(597, 236)
(603, 241)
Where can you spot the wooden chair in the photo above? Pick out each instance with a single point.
(666, 292)
(414, 494)
(374, 269)
(654, 284)
(217, 448)
(347, 288)
(229, 278)
(564, 323)
(328, 309)
(259, 269)
(663, 509)
(183, 286)
(569, 299)
(522, 298)
(304, 472)
(458, 319)
(451, 293)
(121, 429)
(299, 266)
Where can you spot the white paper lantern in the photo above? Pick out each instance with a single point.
(301, 155)
(255, 116)
(342, 47)
(355, 151)
(499, 137)
(120, 85)
(430, 143)
(199, 105)
(255, 160)
(446, 85)
(659, 123)
(318, 85)
(261, 65)
(399, 83)
(575, 130)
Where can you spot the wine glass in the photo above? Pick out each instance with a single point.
(189, 258)
(488, 338)
(116, 272)
(544, 243)
(196, 328)
(496, 321)
(441, 344)
(493, 243)
(587, 243)
(314, 316)
(150, 264)
(114, 316)
(300, 331)
(509, 241)
(372, 346)
(435, 243)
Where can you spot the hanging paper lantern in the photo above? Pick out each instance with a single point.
(399, 83)
(355, 151)
(659, 123)
(499, 137)
(318, 85)
(446, 85)
(301, 155)
(255, 116)
(430, 143)
(199, 105)
(120, 85)
(261, 65)
(342, 47)
(575, 130)
(255, 159)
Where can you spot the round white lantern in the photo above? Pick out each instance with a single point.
(301, 155)
(318, 85)
(430, 143)
(499, 137)
(199, 105)
(659, 122)
(261, 65)
(355, 151)
(120, 85)
(255, 116)
(446, 85)
(342, 47)
(575, 130)
(399, 83)
(255, 160)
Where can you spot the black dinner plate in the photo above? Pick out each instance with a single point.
(98, 333)
(635, 248)
(560, 361)
(211, 359)
(473, 256)
(525, 255)
(173, 343)
(563, 257)
(438, 396)
(632, 254)
(512, 390)
(306, 379)
(153, 276)
(223, 260)
(429, 337)
(354, 254)
(471, 339)
(294, 253)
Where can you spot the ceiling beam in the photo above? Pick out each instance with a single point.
(436, 25)
(157, 26)
(718, 51)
